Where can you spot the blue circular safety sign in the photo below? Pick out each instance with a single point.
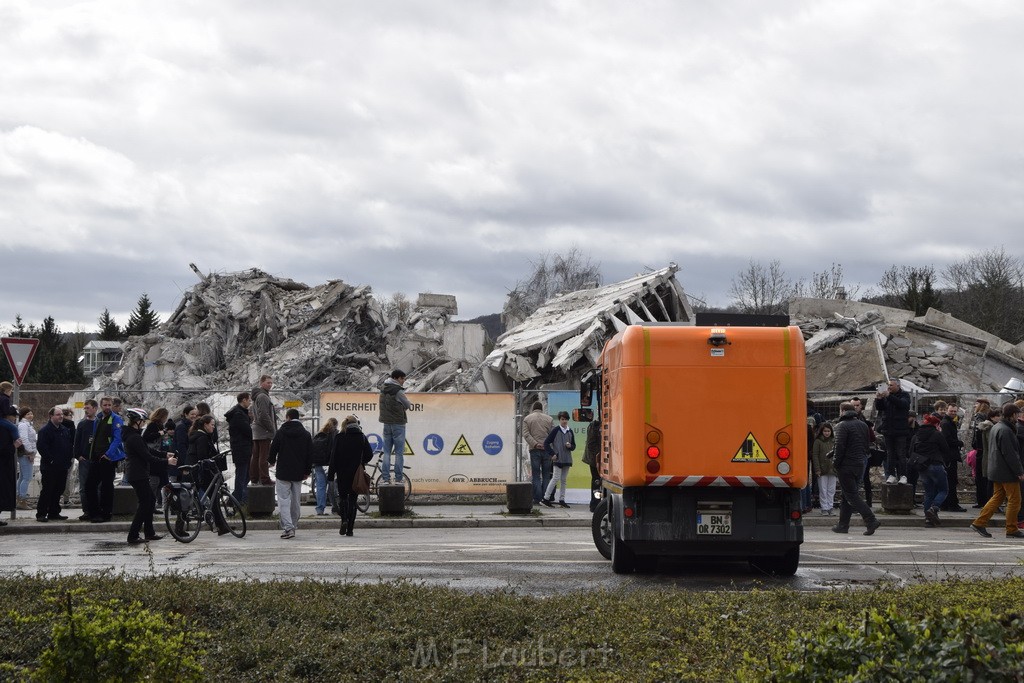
(492, 444)
(433, 444)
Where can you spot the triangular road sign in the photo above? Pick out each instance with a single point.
(20, 353)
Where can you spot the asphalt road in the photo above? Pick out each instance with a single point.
(535, 561)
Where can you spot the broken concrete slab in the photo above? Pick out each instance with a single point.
(563, 338)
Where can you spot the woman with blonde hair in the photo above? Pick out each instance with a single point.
(351, 452)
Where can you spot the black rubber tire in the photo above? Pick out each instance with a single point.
(184, 526)
(601, 527)
(232, 512)
(623, 559)
(778, 565)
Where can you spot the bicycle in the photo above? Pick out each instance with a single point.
(185, 512)
(363, 500)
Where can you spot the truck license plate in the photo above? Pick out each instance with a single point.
(714, 524)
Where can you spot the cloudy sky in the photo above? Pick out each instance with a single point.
(442, 146)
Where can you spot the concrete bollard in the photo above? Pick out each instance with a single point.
(125, 501)
(262, 500)
(897, 498)
(391, 499)
(519, 497)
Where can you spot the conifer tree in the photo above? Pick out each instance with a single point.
(143, 319)
(109, 329)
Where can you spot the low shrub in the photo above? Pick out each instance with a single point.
(940, 646)
(111, 641)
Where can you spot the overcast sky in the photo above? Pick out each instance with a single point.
(441, 146)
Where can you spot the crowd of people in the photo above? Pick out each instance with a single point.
(913, 450)
(149, 449)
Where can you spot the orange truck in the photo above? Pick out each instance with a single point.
(704, 445)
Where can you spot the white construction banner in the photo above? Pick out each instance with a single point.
(455, 443)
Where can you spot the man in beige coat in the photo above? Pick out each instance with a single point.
(536, 427)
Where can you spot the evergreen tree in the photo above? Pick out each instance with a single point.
(50, 363)
(143, 319)
(109, 329)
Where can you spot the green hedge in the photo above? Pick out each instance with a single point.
(309, 630)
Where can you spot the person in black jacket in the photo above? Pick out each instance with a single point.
(930, 451)
(291, 451)
(949, 427)
(139, 458)
(852, 438)
(351, 452)
(202, 447)
(55, 446)
(240, 438)
(894, 403)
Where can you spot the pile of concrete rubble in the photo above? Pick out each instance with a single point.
(231, 328)
(565, 336)
(854, 346)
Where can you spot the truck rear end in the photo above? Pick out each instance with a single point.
(704, 444)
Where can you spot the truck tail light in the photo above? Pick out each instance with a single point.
(783, 452)
(794, 515)
(628, 512)
(653, 451)
(653, 466)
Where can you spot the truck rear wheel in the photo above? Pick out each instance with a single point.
(623, 559)
(778, 565)
(601, 526)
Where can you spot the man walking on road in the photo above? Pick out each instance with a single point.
(264, 427)
(536, 427)
(292, 452)
(1005, 471)
(850, 459)
(393, 406)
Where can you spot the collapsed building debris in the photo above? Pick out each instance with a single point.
(853, 346)
(232, 327)
(564, 337)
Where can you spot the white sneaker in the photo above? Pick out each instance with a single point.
(903, 480)
(891, 479)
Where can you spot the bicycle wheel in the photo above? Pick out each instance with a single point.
(232, 512)
(184, 525)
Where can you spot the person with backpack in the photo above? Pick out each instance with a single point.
(323, 446)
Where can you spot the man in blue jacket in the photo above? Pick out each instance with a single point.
(56, 451)
(107, 449)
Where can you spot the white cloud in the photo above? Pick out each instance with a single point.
(460, 141)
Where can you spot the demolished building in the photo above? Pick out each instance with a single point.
(232, 327)
(565, 336)
(854, 346)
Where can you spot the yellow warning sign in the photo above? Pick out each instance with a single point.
(408, 449)
(750, 451)
(462, 446)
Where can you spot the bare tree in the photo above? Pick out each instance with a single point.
(826, 285)
(987, 291)
(912, 288)
(762, 290)
(553, 273)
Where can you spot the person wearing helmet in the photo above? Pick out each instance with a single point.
(138, 459)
